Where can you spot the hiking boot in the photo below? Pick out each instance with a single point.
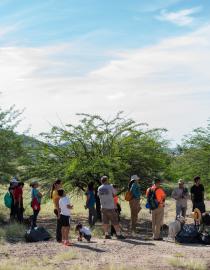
(108, 236)
(120, 237)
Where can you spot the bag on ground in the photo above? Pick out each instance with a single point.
(152, 202)
(8, 200)
(37, 234)
(188, 234)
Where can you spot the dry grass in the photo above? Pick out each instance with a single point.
(188, 264)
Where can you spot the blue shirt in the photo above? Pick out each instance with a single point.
(34, 194)
(135, 190)
(91, 201)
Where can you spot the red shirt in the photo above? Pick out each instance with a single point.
(18, 193)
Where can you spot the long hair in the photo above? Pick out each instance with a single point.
(56, 182)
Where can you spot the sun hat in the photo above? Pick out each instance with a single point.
(135, 177)
(181, 182)
(197, 214)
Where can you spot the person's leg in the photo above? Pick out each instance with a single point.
(184, 211)
(63, 233)
(133, 214)
(94, 216)
(178, 210)
(159, 221)
(34, 218)
(154, 222)
(58, 227)
(105, 221)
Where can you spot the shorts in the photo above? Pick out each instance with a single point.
(65, 221)
(109, 215)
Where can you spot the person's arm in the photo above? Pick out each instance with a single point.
(174, 194)
(192, 195)
(203, 192)
(69, 206)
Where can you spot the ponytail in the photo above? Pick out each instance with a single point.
(56, 182)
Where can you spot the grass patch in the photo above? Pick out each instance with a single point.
(66, 256)
(188, 264)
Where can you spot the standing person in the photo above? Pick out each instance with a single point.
(117, 208)
(64, 215)
(156, 197)
(181, 195)
(106, 194)
(55, 198)
(35, 202)
(13, 184)
(18, 201)
(135, 201)
(90, 204)
(98, 203)
(197, 195)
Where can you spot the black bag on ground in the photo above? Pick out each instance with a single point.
(206, 219)
(205, 238)
(188, 234)
(36, 235)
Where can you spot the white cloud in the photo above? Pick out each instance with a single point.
(166, 85)
(181, 18)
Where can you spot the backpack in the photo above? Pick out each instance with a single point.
(128, 196)
(8, 200)
(36, 235)
(189, 234)
(152, 202)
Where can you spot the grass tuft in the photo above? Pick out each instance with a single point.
(188, 264)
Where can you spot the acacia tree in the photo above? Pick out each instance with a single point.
(193, 157)
(94, 147)
(10, 143)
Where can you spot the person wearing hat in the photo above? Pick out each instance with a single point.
(181, 195)
(135, 201)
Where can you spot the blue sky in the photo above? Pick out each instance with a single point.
(147, 58)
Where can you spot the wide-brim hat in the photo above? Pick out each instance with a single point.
(135, 177)
(197, 214)
(181, 182)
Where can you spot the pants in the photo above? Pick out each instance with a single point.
(98, 208)
(181, 211)
(157, 221)
(58, 227)
(92, 216)
(135, 209)
(34, 218)
(200, 205)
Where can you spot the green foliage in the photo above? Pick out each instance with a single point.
(84, 152)
(10, 143)
(193, 156)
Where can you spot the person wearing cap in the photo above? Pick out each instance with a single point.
(181, 195)
(135, 201)
(106, 194)
(197, 195)
(158, 212)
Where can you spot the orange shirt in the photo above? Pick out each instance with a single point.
(160, 195)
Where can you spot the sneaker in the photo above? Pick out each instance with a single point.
(120, 237)
(108, 236)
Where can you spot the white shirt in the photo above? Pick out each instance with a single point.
(63, 202)
(85, 230)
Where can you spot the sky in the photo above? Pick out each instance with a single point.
(150, 59)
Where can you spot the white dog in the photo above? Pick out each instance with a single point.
(175, 227)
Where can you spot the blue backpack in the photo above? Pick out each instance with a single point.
(8, 200)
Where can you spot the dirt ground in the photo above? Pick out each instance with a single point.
(132, 253)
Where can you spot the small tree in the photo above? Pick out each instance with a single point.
(10, 143)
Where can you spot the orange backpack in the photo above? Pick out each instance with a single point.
(128, 196)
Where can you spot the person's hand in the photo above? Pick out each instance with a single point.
(71, 206)
(85, 206)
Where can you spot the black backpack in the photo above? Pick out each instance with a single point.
(37, 234)
(152, 202)
(189, 234)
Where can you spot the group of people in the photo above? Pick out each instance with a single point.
(109, 206)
